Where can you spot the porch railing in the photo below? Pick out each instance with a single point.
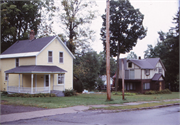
(17, 89)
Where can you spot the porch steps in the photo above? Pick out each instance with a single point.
(57, 93)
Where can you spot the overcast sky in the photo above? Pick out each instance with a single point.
(158, 16)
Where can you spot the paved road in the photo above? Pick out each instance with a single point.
(159, 116)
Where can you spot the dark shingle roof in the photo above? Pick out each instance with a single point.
(36, 69)
(24, 46)
(149, 63)
(156, 76)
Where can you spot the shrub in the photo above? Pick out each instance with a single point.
(69, 92)
(150, 92)
(4, 93)
(165, 91)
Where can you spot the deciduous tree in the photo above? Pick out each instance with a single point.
(125, 28)
(75, 16)
(86, 69)
(132, 55)
(167, 49)
(19, 17)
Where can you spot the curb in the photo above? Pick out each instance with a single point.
(143, 108)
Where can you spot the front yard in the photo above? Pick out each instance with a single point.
(84, 99)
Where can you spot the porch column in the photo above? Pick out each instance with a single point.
(53, 81)
(31, 83)
(36, 81)
(22, 80)
(49, 83)
(19, 82)
(7, 81)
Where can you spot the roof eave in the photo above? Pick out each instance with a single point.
(15, 55)
(34, 72)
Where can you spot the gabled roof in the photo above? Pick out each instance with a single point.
(36, 69)
(149, 63)
(27, 48)
(157, 76)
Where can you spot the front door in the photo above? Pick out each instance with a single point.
(46, 80)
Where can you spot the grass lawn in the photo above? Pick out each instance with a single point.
(84, 99)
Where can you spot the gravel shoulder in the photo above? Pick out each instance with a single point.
(8, 109)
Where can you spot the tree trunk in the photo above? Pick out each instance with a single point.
(117, 71)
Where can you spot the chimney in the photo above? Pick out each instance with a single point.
(139, 57)
(31, 35)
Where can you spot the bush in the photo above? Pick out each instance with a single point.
(69, 92)
(4, 93)
(165, 91)
(24, 95)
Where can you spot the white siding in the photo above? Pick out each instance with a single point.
(137, 73)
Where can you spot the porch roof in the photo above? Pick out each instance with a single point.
(157, 76)
(36, 69)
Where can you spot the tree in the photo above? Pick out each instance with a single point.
(132, 55)
(125, 29)
(86, 69)
(18, 18)
(102, 59)
(167, 49)
(76, 16)
(47, 13)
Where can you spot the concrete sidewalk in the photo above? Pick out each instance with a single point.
(75, 109)
(42, 113)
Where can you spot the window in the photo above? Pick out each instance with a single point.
(61, 55)
(60, 78)
(160, 70)
(130, 65)
(6, 77)
(17, 62)
(147, 72)
(130, 86)
(50, 56)
(146, 86)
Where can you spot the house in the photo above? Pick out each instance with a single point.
(142, 75)
(36, 66)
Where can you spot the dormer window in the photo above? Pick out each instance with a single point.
(50, 56)
(147, 72)
(130, 65)
(17, 62)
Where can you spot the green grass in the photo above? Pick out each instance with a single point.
(84, 99)
(145, 105)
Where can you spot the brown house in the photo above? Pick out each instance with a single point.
(142, 75)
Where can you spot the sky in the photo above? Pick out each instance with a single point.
(158, 16)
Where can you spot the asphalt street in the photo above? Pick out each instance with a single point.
(159, 116)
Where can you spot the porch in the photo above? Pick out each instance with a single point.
(35, 79)
(35, 90)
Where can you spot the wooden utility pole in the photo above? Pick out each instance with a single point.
(107, 52)
(122, 78)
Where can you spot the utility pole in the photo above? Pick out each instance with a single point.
(107, 52)
(122, 78)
